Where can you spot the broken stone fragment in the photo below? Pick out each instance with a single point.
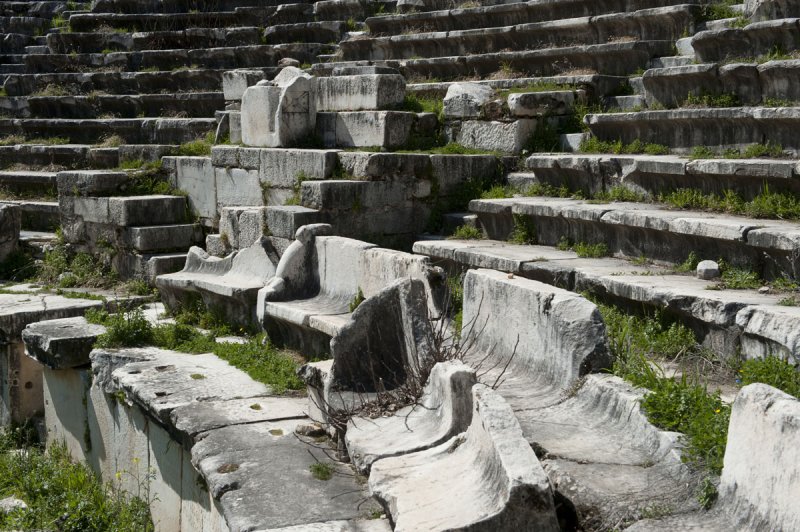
(707, 270)
(62, 343)
(466, 100)
(11, 504)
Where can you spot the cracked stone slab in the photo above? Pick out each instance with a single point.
(193, 419)
(261, 475)
(17, 311)
(62, 343)
(164, 380)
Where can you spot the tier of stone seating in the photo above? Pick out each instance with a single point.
(657, 24)
(651, 175)
(634, 230)
(91, 79)
(503, 14)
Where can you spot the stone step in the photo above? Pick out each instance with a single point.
(13, 69)
(654, 24)
(774, 9)
(595, 85)
(748, 83)
(131, 130)
(58, 156)
(720, 318)
(15, 43)
(92, 42)
(188, 105)
(683, 129)
(634, 102)
(195, 80)
(163, 237)
(653, 175)
(11, 58)
(756, 39)
(344, 9)
(148, 266)
(617, 59)
(673, 61)
(27, 181)
(155, 21)
(767, 247)
(126, 211)
(38, 49)
(38, 215)
(504, 14)
(44, 9)
(24, 25)
(329, 31)
(178, 6)
(168, 60)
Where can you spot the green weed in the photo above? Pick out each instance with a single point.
(65, 496)
(466, 232)
(773, 371)
(321, 471)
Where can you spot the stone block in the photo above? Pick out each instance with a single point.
(284, 221)
(237, 187)
(279, 113)
(761, 457)
(235, 82)
(538, 104)
(466, 100)
(283, 167)
(242, 225)
(387, 129)
(61, 343)
(360, 92)
(497, 136)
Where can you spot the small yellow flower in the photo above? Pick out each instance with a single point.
(119, 475)
(716, 411)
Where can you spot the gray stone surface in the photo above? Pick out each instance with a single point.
(466, 100)
(707, 270)
(388, 129)
(10, 225)
(387, 341)
(195, 177)
(159, 381)
(536, 104)
(61, 343)
(279, 113)
(503, 137)
(444, 410)
(10, 505)
(17, 311)
(558, 335)
(242, 225)
(360, 92)
(422, 492)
